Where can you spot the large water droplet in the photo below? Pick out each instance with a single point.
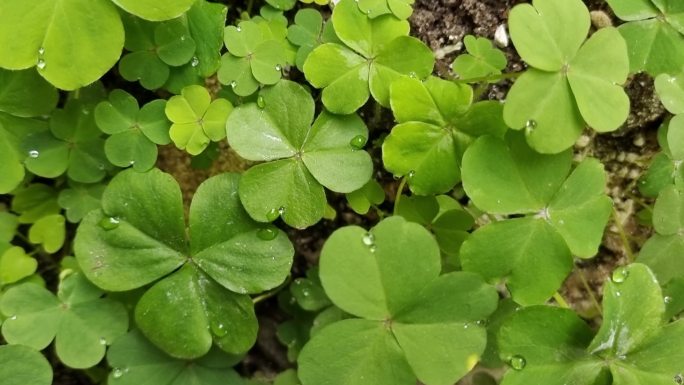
(272, 215)
(267, 233)
(517, 362)
(33, 154)
(109, 223)
(530, 125)
(358, 142)
(679, 379)
(41, 64)
(368, 239)
(13, 318)
(261, 103)
(195, 61)
(219, 329)
(620, 275)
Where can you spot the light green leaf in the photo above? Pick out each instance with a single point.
(50, 232)
(20, 365)
(151, 10)
(16, 265)
(206, 22)
(24, 93)
(671, 92)
(70, 48)
(34, 202)
(369, 195)
(482, 59)
(80, 199)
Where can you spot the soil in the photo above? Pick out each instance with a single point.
(442, 24)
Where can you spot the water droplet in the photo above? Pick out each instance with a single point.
(466, 326)
(103, 341)
(41, 51)
(620, 275)
(239, 29)
(195, 61)
(117, 372)
(278, 67)
(261, 103)
(617, 294)
(679, 379)
(272, 215)
(530, 125)
(183, 38)
(41, 64)
(667, 300)
(13, 318)
(411, 174)
(358, 142)
(233, 84)
(517, 362)
(267, 233)
(413, 75)
(306, 292)
(219, 329)
(109, 223)
(33, 154)
(101, 166)
(368, 239)
(372, 248)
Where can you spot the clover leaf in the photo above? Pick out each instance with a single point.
(361, 200)
(565, 214)
(78, 319)
(50, 232)
(283, 5)
(663, 251)
(152, 10)
(301, 157)
(26, 94)
(8, 226)
(13, 132)
(254, 57)
(374, 53)
(54, 35)
(154, 48)
(199, 287)
(134, 131)
(206, 22)
(74, 146)
(135, 361)
(309, 293)
(670, 89)
(402, 9)
(436, 124)
(35, 201)
(553, 346)
(80, 199)
(21, 365)
(197, 120)
(308, 32)
(653, 33)
(571, 83)
(482, 59)
(407, 327)
(15, 265)
(665, 168)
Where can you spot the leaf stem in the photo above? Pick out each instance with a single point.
(592, 295)
(560, 300)
(272, 293)
(397, 197)
(497, 78)
(250, 5)
(623, 236)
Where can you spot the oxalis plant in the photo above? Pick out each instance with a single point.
(187, 183)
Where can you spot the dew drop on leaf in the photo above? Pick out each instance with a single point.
(368, 239)
(372, 248)
(117, 372)
(679, 379)
(278, 67)
(411, 174)
(267, 233)
(41, 51)
(33, 154)
(517, 362)
(413, 75)
(667, 299)
(103, 341)
(219, 329)
(239, 29)
(530, 125)
(41, 64)
(109, 223)
(195, 61)
(620, 275)
(13, 318)
(272, 215)
(233, 84)
(617, 294)
(358, 142)
(261, 103)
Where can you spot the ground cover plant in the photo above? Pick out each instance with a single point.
(307, 193)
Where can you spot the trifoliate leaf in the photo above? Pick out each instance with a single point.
(301, 157)
(139, 238)
(81, 323)
(572, 83)
(390, 277)
(34, 202)
(369, 195)
(374, 53)
(80, 199)
(21, 365)
(50, 232)
(196, 119)
(26, 94)
(307, 33)
(206, 22)
(482, 59)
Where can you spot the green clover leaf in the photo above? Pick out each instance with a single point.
(206, 22)
(134, 131)
(670, 91)
(49, 231)
(254, 57)
(565, 214)
(653, 33)
(665, 169)
(301, 157)
(154, 11)
(74, 146)
(154, 48)
(34, 202)
(8, 226)
(15, 265)
(402, 9)
(135, 361)
(199, 292)
(282, 5)
(436, 124)
(361, 200)
(69, 47)
(197, 120)
(482, 59)
(26, 94)
(374, 53)
(21, 365)
(547, 345)
(13, 133)
(308, 292)
(80, 199)
(407, 328)
(78, 319)
(309, 32)
(572, 83)
(663, 251)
